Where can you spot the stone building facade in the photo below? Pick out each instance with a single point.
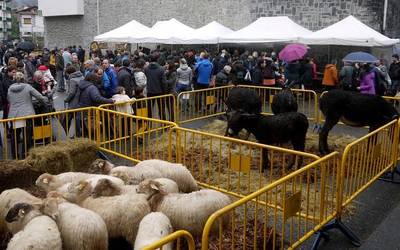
(313, 14)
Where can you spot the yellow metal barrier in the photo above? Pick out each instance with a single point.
(18, 135)
(307, 100)
(171, 239)
(133, 137)
(231, 165)
(367, 158)
(158, 107)
(281, 215)
(201, 104)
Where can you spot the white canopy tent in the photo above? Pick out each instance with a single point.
(268, 30)
(209, 34)
(124, 34)
(349, 31)
(167, 32)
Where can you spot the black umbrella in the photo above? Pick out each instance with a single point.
(26, 46)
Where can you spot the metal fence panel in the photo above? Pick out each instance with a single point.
(281, 215)
(367, 158)
(307, 100)
(18, 135)
(174, 239)
(232, 165)
(161, 107)
(133, 137)
(201, 104)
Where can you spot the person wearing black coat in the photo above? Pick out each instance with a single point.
(257, 74)
(126, 79)
(8, 80)
(306, 74)
(156, 85)
(89, 95)
(394, 73)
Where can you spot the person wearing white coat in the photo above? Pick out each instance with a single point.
(123, 105)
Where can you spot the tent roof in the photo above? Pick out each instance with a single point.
(268, 30)
(124, 33)
(209, 33)
(167, 32)
(349, 31)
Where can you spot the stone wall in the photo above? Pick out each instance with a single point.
(393, 19)
(63, 31)
(317, 14)
(312, 14)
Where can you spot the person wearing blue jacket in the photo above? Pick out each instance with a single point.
(110, 80)
(203, 70)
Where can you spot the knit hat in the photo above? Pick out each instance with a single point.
(42, 68)
(183, 61)
(227, 69)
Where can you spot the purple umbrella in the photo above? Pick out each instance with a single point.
(293, 52)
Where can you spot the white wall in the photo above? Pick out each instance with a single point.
(61, 7)
(36, 25)
(39, 26)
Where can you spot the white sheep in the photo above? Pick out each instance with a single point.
(152, 228)
(8, 198)
(39, 231)
(186, 211)
(122, 213)
(130, 175)
(104, 187)
(150, 169)
(169, 186)
(174, 171)
(80, 228)
(62, 181)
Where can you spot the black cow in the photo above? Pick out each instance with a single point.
(354, 109)
(244, 99)
(284, 102)
(281, 128)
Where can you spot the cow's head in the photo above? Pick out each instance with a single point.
(237, 120)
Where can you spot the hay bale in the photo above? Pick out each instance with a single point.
(72, 155)
(15, 174)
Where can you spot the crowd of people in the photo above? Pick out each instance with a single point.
(29, 80)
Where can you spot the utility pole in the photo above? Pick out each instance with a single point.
(98, 18)
(385, 7)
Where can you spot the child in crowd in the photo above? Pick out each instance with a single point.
(122, 101)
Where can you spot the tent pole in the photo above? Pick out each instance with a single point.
(329, 54)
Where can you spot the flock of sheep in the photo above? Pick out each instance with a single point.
(141, 204)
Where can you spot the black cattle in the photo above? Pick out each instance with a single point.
(284, 102)
(244, 99)
(354, 109)
(282, 128)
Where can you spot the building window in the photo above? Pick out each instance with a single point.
(27, 21)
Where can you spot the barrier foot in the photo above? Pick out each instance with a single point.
(317, 128)
(320, 235)
(102, 156)
(336, 224)
(390, 176)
